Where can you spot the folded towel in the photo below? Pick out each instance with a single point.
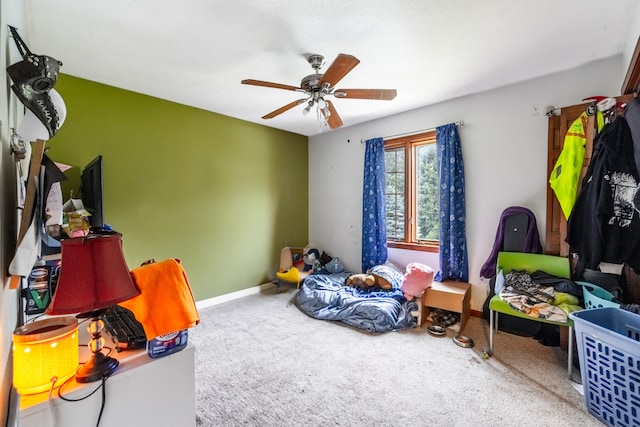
(165, 303)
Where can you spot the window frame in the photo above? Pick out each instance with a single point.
(409, 143)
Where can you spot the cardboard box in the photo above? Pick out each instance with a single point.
(447, 295)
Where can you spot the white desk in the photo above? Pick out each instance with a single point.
(142, 392)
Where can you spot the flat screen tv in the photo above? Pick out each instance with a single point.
(91, 191)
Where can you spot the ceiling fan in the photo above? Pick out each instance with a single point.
(317, 87)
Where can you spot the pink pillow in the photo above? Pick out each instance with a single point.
(417, 279)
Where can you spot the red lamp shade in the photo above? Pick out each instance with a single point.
(93, 276)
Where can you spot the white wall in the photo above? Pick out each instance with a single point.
(11, 13)
(633, 34)
(504, 146)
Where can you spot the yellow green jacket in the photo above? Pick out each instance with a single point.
(565, 176)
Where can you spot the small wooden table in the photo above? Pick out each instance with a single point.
(448, 295)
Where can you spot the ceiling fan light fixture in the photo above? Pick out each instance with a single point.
(318, 86)
(307, 108)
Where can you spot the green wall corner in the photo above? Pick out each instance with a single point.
(221, 194)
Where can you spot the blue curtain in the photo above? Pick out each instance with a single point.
(374, 229)
(454, 264)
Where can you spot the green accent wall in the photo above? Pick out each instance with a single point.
(221, 194)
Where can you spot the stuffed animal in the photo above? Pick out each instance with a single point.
(311, 259)
(416, 280)
(365, 281)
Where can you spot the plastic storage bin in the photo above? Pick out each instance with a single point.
(595, 296)
(608, 341)
(165, 345)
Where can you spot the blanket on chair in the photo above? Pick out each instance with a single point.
(539, 300)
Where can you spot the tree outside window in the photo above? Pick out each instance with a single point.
(412, 202)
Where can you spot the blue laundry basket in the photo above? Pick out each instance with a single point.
(608, 340)
(595, 296)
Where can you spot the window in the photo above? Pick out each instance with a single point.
(412, 201)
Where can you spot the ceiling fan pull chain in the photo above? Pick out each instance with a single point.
(320, 120)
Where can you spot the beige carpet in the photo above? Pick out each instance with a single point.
(260, 361)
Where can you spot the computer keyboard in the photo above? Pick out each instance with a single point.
(127, 333)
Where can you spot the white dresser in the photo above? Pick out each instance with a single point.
(142, 392)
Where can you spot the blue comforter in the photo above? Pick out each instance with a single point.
(326, 297)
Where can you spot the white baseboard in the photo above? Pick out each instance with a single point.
(232, 296)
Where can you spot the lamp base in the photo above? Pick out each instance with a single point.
(96, 368)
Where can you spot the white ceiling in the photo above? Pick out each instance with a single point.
(196, 52)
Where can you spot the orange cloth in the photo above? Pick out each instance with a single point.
(165, 303)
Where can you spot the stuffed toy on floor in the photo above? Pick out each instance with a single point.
(365, 281)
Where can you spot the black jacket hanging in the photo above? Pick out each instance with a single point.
(604, 225)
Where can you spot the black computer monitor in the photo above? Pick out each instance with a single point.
(91, 191)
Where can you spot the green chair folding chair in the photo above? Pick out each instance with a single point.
(529, 262)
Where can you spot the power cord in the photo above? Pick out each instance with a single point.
(53, 414)
(104, 399)
(34, 318)
(102, 386)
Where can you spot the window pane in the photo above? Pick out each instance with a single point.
(395, 193)
(427, 194)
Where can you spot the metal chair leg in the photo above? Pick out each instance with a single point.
(570, 353)
(491, 322)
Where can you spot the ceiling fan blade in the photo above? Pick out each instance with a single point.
(382, 94)
(281, 110)
(334, 119)
(269, 84)
(338, 69)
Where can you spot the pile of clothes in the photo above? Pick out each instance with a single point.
(541, 295)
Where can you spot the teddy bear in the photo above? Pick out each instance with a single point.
(365, 281)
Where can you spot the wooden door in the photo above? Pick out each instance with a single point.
(556, 227)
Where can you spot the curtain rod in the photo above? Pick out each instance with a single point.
(458, 123)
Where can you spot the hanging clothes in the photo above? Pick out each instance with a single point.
(604, 225)
(565, 175)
